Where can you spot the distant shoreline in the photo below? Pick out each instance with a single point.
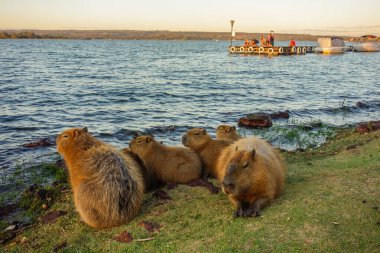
(150, 35)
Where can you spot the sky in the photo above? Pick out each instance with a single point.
(328, 17)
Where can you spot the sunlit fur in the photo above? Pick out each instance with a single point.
(170, 164)
(227, 132)
(256, 170)
(107, 185)
(207, 148)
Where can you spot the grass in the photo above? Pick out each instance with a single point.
(331, 204)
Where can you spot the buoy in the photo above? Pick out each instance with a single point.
(232, 49)
(299, 50)
(281, 50)
(294, 49)
(250, 49)
(270, 51)
(261, 50)
(304, 50)
(241, 49)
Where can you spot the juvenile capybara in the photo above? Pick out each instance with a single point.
(252, 174)
(227, 132)
(207, 148)
(169, 164)
(107, 184)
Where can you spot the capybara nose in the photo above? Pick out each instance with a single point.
(227, 187)
(227, 184)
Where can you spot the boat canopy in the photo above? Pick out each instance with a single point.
(330, 42)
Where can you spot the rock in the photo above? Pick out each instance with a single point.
(280, 115)
(45, 142)
(361, 105)
(52, 216)
(204, 182)
(5, 210)
(368, 127)
(149, 226)
(125, 236)
(257, 120)
(11, 227)
(161, 194)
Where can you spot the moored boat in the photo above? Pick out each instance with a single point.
(332, 45)
(367, 47)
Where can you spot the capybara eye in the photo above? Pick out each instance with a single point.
(65, 136)
(138, 141)
(245, 165)
(196, 133)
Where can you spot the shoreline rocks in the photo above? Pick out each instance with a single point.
(262, 120)
(368, 127)
(44, 142)
(256, 120)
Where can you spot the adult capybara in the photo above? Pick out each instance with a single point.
(252, 174)
(169, 164)
(107, 184)
(207, 148)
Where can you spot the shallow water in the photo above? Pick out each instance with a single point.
(119, 88)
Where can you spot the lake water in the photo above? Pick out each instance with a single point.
(120, 88)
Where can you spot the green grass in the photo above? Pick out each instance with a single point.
(328, 206)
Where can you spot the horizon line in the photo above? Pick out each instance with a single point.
(328, 33)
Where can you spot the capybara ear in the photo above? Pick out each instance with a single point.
(203, 131)
(76, 132)
(148, 139)
(85, 129)
(234, 127)
(236, 149)
(253, 153)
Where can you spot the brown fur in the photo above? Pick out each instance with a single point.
(170, 164)
(150, 181)
(107, 185)
(227, 132)
(207, 148)
(252, 173)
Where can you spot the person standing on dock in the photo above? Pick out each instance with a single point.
(271, 38)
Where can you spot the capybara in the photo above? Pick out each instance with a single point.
(252, 174)
(207, 148)
(107, 184)
(169, 164)
(227, 132)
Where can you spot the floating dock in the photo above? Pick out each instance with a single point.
(271, 50)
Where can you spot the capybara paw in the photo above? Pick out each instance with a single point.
(251, 212)
(255, 212)
(238, 213)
